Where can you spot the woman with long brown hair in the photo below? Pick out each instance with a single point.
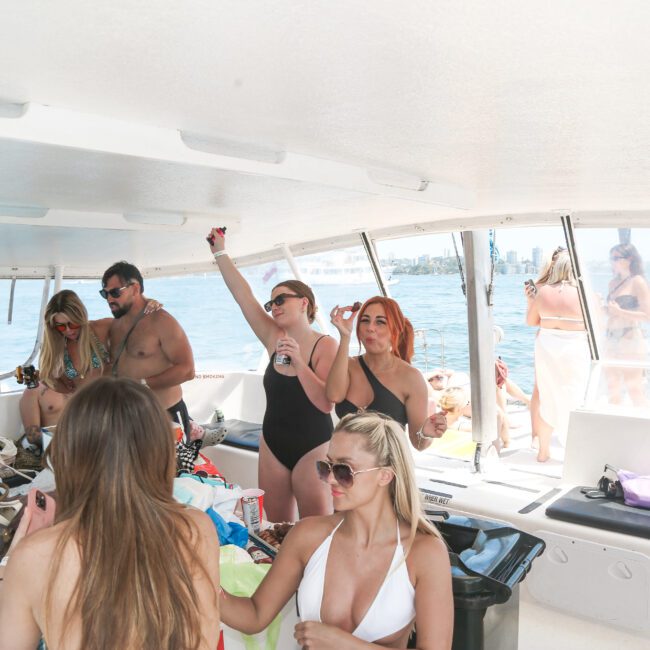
(124, 565)
(382, 379)
(297, 423)
(365, 574)
(628, 308)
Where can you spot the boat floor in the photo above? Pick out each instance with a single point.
(519, 455)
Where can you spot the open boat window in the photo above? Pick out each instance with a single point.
(339, 277)
(17, 338)
(428, 289)
(220, 337)
(615, 265)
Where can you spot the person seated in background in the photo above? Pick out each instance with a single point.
(125, 565)
(381, 379)
(40, 407)
(437, 382)
(75, 349)
(454, 404)
(404, 576)
(453, 401)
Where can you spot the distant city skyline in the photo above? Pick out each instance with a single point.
(529, 243)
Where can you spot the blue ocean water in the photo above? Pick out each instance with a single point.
(222, 340)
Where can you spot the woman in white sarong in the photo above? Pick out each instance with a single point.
(561, 351)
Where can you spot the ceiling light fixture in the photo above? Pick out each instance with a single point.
(156, 219)
(231, 148)
(397, 179)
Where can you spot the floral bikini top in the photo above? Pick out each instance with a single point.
(71, 372)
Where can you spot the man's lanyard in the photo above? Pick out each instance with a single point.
(123, 343)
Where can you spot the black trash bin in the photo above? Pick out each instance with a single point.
(488, 561)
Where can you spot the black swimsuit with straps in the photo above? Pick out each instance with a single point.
(292, 425)
(383, 400)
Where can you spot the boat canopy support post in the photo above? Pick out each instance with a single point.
(481, 339)
(371, 252)
(58, 278)
(322, 323)
(569, 235)
(12, 291)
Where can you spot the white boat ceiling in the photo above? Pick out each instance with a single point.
(128, 128)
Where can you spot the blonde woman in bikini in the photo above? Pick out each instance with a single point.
(367, 573)
(561, 351)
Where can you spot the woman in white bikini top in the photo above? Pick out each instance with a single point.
(368, 572)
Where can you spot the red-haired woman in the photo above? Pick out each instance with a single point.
(382, 379)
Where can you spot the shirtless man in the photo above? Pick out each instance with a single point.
(157, 351)
(40, 407)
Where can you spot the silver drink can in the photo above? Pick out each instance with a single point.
(282, 359)
(251, 511)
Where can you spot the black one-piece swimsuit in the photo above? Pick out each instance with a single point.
(383, 400)
(292, 424)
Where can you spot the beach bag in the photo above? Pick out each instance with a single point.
(636, 489)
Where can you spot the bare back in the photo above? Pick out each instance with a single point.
(557, 307)
(32, 561)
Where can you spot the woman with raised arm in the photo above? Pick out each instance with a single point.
(561, 351)
(382, 379)
(628, 307)
(124, 565)
(297, 423)
(365, 574)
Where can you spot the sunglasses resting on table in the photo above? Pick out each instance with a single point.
(279, 300)
(343, 474)
(113, 293)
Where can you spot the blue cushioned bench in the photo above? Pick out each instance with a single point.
(243, 435)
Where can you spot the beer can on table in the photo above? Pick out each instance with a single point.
(251, 511)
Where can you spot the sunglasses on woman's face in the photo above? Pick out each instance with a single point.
(62, 327)
(616, 258)
(278, 301)
(343, 474)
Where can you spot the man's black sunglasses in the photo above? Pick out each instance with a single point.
(114, 293)
(279, 300)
